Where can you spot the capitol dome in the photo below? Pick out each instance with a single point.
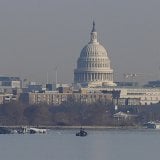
(93, 49)
(93, 65)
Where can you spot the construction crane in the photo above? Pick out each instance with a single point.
(132, 75)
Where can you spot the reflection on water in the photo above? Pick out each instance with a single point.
(98, 145)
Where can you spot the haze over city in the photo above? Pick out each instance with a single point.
(37, 36)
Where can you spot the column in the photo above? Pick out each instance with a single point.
(94, 77)
(87, 77)
(110, 76)
(104, 76)
(107, 76)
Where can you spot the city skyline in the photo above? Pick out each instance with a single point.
(37, 36)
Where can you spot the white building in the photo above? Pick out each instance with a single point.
(146, 95)
(93, 65)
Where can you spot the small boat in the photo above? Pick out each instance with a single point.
(152, 125)
(81, 133)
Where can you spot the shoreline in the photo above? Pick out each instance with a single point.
(77, 127)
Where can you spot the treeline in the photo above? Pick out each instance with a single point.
(74, 113)
(65, 114)
(144, 113)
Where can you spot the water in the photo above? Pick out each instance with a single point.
(98, 145)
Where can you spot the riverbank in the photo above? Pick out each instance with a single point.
(77, 127)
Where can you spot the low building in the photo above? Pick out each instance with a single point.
(8, 84)
(33, 88)
(59, 98)
(145, 95)
(7, 98)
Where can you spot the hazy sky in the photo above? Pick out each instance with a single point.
(38, 35)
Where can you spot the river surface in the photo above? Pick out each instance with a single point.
(97, 145)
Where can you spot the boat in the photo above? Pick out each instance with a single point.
(81, 133)
(152, 125)
(31, 130)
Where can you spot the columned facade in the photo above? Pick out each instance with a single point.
(93, 65)
(92, 76)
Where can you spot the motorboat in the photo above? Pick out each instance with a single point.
(152, 125)
(81, 133)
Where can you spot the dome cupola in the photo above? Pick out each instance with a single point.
(93, 65)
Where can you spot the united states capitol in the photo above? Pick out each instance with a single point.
(93, 81)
